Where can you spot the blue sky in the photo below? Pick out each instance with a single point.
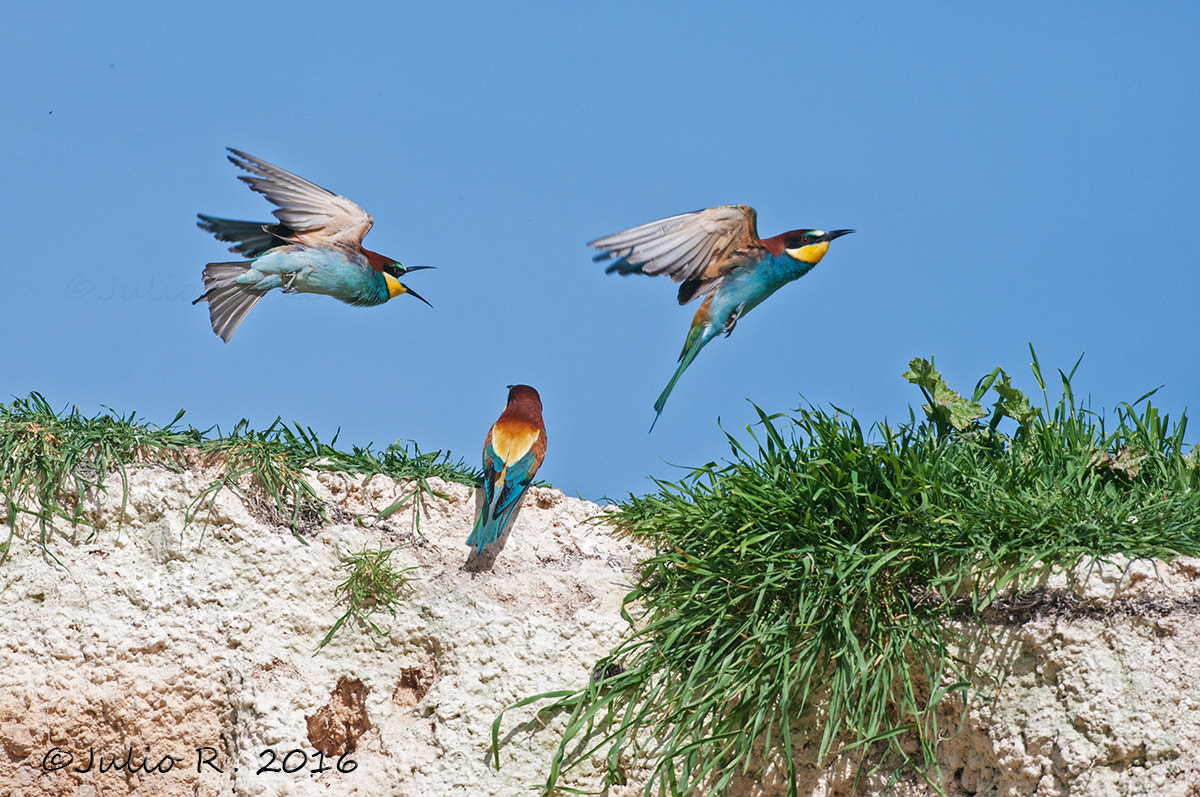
(1016, 172)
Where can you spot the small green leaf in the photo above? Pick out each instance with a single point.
(947, 407)
(1015, 404)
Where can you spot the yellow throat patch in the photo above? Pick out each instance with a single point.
(394, 287)
(811, 253)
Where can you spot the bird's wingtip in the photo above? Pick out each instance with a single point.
(242, 160)
(624, 267)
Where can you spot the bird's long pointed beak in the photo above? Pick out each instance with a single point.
(829, 236)
(416, 295)
(419, 268)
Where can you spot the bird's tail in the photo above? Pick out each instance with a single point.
(491, 523)
(696, 339)
(486, 531)
(249, 238)
(488, 528)
(228, 300)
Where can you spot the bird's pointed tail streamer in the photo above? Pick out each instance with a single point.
(695, 342)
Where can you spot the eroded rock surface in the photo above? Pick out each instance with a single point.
(160, 657)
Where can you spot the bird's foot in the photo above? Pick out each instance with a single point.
(731, 322)
(287, 286)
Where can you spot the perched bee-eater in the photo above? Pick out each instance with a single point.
(315, 248)
(512, 453)
(715, 253)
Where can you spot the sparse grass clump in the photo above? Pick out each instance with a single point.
(49, 460)
(372, 585)
(805, 584)
(276, 458)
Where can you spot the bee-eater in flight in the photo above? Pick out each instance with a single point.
(315, 248)
(512, 453)
(715, 253)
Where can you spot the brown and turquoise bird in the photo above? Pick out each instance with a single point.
(316, 247)
(512, 453)
(715, 253)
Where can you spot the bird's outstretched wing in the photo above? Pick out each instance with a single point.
(311, 214)
(695, 248)
(249, 238)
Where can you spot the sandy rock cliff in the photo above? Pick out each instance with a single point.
(160, 658)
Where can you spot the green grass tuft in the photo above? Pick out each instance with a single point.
(275, 459)
(371, 586)
(49, 461)
(804, 585)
